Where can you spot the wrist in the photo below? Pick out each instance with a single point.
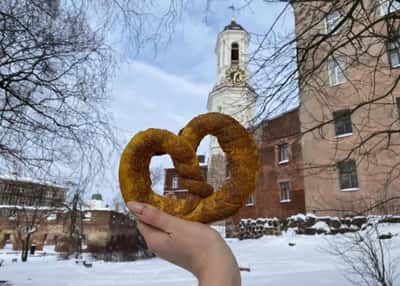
(224, 272)
(221, 277)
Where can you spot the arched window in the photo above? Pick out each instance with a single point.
(235, 54)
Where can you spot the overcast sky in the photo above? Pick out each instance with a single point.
(168, 89)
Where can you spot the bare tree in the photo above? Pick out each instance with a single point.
(53, 82)
(367, 257)
(27, 220)
(338, 62)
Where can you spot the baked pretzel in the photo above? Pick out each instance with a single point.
(202, 203)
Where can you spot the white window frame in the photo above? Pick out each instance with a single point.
(250, 200)
(393, 51)
(342, 115)
(385, 9)
(175, 182)
(280, 150)
(353, 175)
(288, 196)
(331, 21)
(336, 71)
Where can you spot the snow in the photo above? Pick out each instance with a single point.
(321, 225)
(11, 177)
(271, 260)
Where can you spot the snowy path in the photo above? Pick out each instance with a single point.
(271, 259)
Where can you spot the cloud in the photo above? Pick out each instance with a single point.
(161, 77)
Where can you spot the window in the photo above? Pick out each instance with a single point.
(250, 200)
(285, 192)
(343, 124)
(175, 181)
(348, 175)
(393, 50)
(235, 54)
(7, 237)
(336, 71)
(284, 153)
(398, 106)
(389, 6)
(332, 20)
(228, 170)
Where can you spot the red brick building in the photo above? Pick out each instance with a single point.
(40, 207)
(172, 185)
(280, 188)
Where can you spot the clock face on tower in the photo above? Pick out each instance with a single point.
(235, 75)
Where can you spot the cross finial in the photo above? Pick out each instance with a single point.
(233, 9)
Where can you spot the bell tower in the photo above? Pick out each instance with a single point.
(231, 94)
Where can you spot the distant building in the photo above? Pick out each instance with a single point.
(172, 184)
(103, 231)
(96, 202)
(15, 190)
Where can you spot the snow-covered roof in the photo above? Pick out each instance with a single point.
(22, 207)
(16, 178)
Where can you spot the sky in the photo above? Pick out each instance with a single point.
(168, 87)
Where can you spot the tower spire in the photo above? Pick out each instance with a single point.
(233, 10)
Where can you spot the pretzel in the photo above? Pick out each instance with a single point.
(201, 203)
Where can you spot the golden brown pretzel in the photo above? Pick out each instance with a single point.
(201, 204)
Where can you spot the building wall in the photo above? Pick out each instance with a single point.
(269, 136)
(104, 231)
(179, 192)
(322, 150)
(24, 192)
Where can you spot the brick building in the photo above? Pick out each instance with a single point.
(348, 111)
(280, 187)
(172, 186)
(28, 192)
(36, 205)
(337, 152)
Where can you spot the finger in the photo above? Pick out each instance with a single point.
(152, 216)
(156, 239)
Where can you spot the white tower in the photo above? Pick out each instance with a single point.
(231, 94)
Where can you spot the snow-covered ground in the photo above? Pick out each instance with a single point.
(271, 259)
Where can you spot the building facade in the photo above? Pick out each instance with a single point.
(40, 208)
(348, 112)
(24, 191)
(280, 187)
(172, 184)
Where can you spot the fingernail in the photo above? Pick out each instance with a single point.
(136, 207)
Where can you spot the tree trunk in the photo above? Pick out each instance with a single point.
(25, 248)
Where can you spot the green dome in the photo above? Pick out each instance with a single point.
(97, 197)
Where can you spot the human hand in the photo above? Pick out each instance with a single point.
(193, 246)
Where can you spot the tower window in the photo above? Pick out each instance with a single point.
(235, 54)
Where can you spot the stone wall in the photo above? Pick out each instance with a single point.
(303, 224)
